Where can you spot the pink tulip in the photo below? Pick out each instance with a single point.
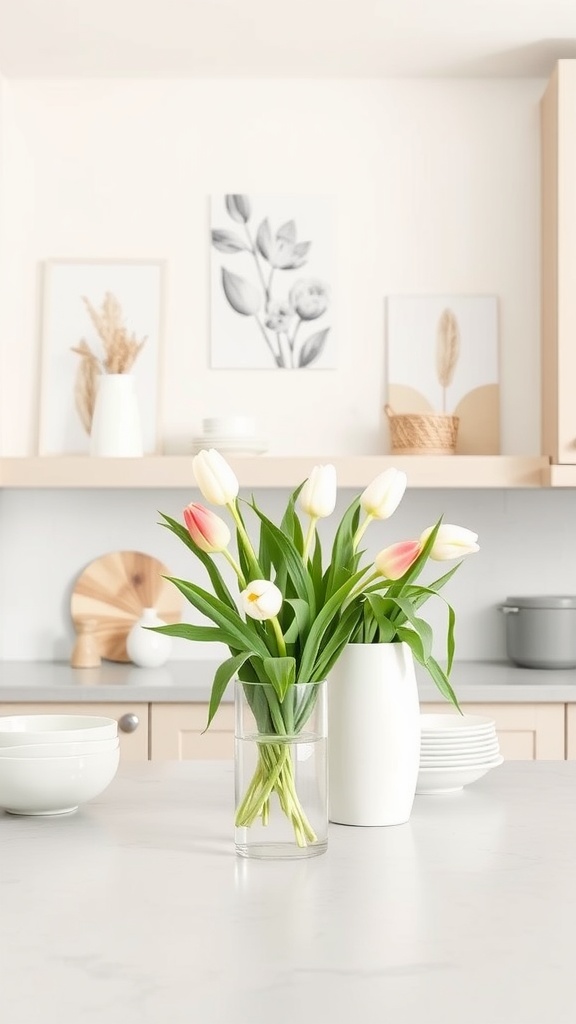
(208, 531)
(392, 562)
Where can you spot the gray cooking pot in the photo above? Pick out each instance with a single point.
(541, 630)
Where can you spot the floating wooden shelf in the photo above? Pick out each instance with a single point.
(560, 476)
(279, 471)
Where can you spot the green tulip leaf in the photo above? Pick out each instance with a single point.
(223, 675)
(244, 636)
(281, 673)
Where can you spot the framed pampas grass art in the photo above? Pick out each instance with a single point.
(98, 317)
(442, 370)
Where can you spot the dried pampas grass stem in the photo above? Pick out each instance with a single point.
(120, 352)
(86, 384)
(447, 350)
(120, 348)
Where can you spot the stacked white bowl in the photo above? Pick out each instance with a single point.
(455, 750)
(50, 764)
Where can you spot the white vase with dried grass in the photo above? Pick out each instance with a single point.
(105, 392)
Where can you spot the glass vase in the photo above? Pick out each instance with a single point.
(281, 771)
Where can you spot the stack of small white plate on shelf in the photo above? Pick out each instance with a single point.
(455, 750)
(50, 764)
(230, 435)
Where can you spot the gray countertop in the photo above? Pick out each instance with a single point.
(182, 681)
(136, 909)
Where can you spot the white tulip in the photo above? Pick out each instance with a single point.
(318, 495)
(215, 478)
(451, 542)
(382, 497)
(261, 600)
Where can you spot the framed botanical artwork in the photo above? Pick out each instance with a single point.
(98, 316)
(271, 283)
(443, 358)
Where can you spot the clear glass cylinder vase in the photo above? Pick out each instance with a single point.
(281, 771)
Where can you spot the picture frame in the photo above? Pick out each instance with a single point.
(443, 359)
(127, 296)
(272, 294)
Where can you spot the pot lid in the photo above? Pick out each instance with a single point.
(543, 601)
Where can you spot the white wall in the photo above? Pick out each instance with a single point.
(436, 189)
(436, 185)
(526, 538)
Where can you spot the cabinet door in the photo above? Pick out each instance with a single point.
(131, 717)
(176, 733)
(558, 264)
(571, 732)
(526, 732)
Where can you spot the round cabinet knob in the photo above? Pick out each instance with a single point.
(129, 723)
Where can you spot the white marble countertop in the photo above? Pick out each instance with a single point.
(136, 910)
(182, 681)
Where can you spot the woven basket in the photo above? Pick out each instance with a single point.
(422, 434)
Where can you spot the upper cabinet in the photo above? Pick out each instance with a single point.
(558, 272)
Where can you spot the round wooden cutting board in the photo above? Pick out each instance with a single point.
(114, 589)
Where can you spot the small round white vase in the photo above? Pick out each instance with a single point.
(145, 647)
(116, 429)
(373, 735)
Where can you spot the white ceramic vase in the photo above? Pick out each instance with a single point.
(373, 735)
(144, 647)
(116, 428)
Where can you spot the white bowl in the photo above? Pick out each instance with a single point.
(436, 781)
(32, 750)
(54, 785)
(20, 729)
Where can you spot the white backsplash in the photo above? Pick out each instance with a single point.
(48, 537)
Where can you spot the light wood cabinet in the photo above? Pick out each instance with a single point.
(526, 732)
(176, 733)
(133, 744)
(571, 732)
(558, 269)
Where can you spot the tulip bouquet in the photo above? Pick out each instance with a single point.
(293, 615)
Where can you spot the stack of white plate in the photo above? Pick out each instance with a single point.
(233, 435)
(455, 750)
(230, 445)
